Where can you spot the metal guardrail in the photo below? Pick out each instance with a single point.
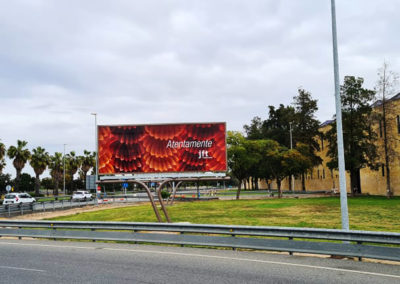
(361, 244)
(8, 210)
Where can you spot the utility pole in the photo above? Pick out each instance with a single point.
(96, 150)
(64, 169)
(291, 147)
(339, 129)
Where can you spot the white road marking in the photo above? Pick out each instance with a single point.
(211, 256)
(21, 268)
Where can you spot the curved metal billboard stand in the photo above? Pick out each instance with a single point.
(158, 190)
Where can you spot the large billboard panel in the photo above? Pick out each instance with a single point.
(163, 148)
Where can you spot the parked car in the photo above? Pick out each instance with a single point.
(18, 198)
(81, 196)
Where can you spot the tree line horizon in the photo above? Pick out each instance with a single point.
(265, 151)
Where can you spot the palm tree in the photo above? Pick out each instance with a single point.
(72, 164)
(2, 153)
(2, 165)
(20, 155)
(56, 170)
(88, 162)
(39, 162)
(2, 150)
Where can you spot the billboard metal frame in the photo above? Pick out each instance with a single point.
(102, 176)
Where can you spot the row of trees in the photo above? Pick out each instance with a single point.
(287, 142)
(40, 160)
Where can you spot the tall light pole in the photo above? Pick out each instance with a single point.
(339, 131)
(291, 147)
(95, 140)
(64, 169)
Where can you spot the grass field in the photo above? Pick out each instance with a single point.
(365, 213)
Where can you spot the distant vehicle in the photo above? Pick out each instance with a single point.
(18, 198)
(81, 196)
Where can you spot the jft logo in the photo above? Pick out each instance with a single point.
(203, 154)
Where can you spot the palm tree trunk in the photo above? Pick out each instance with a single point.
(17, 180)
(37, 185)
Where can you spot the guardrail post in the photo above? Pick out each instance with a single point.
(9, 211)
(44, 207)
(62, 203)
(21, 206)
(133, 231)
(359, 258)
(55, 239)
(233, 235)
(182, 233)
(93, 231)
(19, 238)
(290, 252)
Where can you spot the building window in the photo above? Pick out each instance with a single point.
(380, 126)
(318, 173)
(398, 124)
(323, 173)
(383, 170)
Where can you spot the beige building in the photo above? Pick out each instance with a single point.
(372, 182)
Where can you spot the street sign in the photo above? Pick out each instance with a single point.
(125, 185)
(8, 188)
(90, 182)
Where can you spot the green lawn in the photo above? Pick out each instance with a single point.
(365, 213)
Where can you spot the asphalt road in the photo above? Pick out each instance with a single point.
(32, 261)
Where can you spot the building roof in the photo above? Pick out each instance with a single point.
(375, 104)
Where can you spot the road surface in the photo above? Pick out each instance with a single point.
(34, 261)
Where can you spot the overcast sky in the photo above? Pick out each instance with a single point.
(137, 62)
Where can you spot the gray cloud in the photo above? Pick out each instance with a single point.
(172, 61)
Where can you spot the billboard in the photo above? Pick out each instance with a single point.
(163, 148)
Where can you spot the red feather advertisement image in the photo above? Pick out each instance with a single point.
(197, 147)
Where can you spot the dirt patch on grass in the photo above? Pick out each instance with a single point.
(72, 211)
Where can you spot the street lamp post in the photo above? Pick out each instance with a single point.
(339, 130)
(64, 169)
(96, 150)
(291, 147)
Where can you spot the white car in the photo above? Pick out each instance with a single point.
(81, 196)
(18, 198)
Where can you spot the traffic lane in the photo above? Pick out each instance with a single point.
(86, 262)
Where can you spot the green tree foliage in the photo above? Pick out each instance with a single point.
(20, 155)
(254, 131)
(306, 129)
(88, 161)
(2, 154)
(279, 162)
(27, 183)
(5, 179)
(276, 127)
(72, 164)
(56, 170)
(359, 147)
(39, 161)
(239, 162)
